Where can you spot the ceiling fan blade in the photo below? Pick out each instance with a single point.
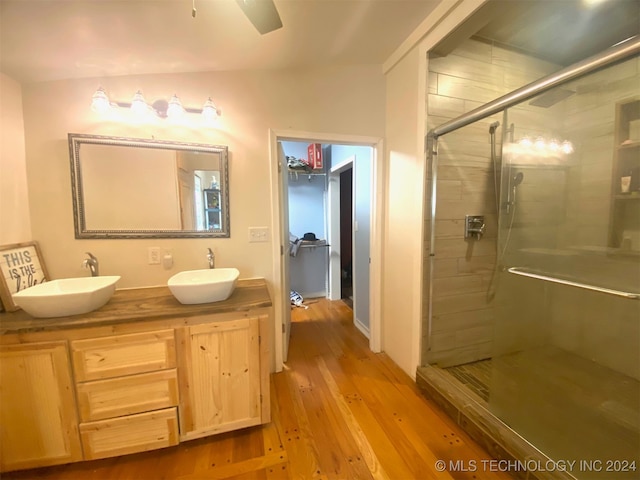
(262, 13)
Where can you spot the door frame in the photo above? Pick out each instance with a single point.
(335, 267)
(280, 245)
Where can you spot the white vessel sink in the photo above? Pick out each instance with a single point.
(66, 296)
(203, 286)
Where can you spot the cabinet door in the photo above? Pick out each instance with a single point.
(219, 377)
(37, 409)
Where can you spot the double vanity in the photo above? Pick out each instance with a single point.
(142, 372)
(88, 371)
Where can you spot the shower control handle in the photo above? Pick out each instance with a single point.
(474, 226)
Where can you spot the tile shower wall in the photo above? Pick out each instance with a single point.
(474, 74)
(589, 121)
(598, 327)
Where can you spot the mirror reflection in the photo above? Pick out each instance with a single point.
(128, 188)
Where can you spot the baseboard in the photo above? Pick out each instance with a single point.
(321, 294)
(362, 327)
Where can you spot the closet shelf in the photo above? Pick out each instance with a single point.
(295, 174)
(314, 246)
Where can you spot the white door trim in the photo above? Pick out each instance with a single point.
(280, 298)
(346, 164)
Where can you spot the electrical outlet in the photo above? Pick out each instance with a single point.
(258, 234)
(153, 256)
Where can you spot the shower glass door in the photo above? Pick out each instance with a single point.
(565, 369)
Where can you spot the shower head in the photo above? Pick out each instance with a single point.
(493, 126)
(551, 97)
(511, 193)
(517, 179)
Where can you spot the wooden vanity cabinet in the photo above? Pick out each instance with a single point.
(38, 423)
(144, 372)
(220, 376)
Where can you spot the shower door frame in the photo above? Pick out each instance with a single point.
(609, 57)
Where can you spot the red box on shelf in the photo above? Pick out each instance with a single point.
(314, 156)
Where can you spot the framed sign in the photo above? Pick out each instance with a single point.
(21, 266)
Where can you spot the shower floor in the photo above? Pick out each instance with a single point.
(567, 406)
(476, 376)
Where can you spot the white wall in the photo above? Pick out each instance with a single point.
(403, 216)
(15, 223)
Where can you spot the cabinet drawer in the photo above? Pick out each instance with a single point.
(115, 397)
(131, 434)
(119, 355)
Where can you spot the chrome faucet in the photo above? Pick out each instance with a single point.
(92, 264)
(212, 258)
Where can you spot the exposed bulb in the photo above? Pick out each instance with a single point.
(525, 141)
(554, 147)
(175, 110)
(100, 101)
(567, 147)
(209, 111)
(540, 143)
(138, 104)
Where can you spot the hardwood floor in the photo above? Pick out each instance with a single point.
(339, 412)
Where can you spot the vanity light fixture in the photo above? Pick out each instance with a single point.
(541, 146)
(172, 110)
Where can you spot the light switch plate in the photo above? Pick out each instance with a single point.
(258, 234)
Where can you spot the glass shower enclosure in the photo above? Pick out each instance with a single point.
(564, 296)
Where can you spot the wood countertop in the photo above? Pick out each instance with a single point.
(141, 304)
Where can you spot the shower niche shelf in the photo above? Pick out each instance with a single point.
(625, 205)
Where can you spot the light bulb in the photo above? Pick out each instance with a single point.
(525, 141)
(553, 146)
(540, 143)
(175, 110)
(138, 104)
(209, 111)
(567, 147)
(100, 101)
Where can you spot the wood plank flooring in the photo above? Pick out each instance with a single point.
(338, 412)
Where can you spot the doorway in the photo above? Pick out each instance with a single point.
(346, 237)
(281, 245)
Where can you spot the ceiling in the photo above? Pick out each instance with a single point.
(42, 40)
(559, 31)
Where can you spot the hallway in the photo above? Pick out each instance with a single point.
(339, 412)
